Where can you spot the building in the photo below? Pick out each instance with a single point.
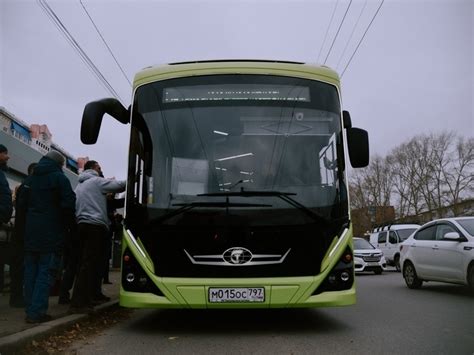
(27, 144)
(365, 219)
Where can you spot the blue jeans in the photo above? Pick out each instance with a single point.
(40, 274)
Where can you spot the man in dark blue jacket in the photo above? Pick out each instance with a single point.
(6, 207)
(50, 207)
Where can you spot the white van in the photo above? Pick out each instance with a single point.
(388, 238)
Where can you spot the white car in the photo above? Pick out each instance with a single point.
(388, 239)
(367, 257)
(441, 250)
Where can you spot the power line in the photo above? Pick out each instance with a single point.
(352, 34)
(85, 58)
(327, 30)
(363, 36)
(337, 33)
(105, 42)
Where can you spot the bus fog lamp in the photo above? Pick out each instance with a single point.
(130, 277)
(332, 279)
(345, 276)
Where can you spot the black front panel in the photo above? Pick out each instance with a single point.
(167, 245)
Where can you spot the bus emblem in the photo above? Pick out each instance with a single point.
(237, 256)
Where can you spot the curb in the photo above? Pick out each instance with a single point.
(12, 342)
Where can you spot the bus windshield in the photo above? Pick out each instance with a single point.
(198, 142)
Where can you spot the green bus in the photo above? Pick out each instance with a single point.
(237, 192)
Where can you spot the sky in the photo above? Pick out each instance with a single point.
(412, 73)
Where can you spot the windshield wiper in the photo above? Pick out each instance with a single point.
(285, 196)
(190, 205)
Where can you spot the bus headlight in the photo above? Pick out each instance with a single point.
(134, 278)
(341, 276)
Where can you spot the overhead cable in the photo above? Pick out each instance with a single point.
(85, 58)
(327, 30)
(352, 34)
(105, 42)
(337, 33)
(363, 36)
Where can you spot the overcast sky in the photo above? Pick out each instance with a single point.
(413, 72)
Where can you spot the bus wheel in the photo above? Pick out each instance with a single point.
(409, 274)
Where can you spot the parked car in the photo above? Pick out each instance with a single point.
(441, 250)
(367, 257)
(388, 239)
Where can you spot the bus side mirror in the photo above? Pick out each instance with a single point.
(92, 117)
(358, 144)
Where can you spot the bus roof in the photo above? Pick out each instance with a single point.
(236, 66)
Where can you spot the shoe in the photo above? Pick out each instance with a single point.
(42, 319)
(81, 310)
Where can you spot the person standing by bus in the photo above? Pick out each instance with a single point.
(49, 204)
(6, 208)
(93, 225)
(17, 250)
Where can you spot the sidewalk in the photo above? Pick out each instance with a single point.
(14, 330)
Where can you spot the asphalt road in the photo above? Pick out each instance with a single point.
(389, 318)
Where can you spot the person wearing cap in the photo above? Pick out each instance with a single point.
(6, 204)
(49, 204)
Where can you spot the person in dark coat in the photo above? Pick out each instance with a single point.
(17, 249)
(50, 213)
(6, 204)
(6, 207)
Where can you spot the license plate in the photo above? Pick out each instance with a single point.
(373, 264)
(236, 294)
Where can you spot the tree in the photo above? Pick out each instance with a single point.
(427, 173)
(459, 177)
(371, 186)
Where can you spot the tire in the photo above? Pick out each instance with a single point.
(470, 278)
(397, 263)
(409, 274)
(378, 272)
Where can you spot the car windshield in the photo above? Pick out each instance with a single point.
(195, 139)
(362, 244)
(467, 224)
(405, 233)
